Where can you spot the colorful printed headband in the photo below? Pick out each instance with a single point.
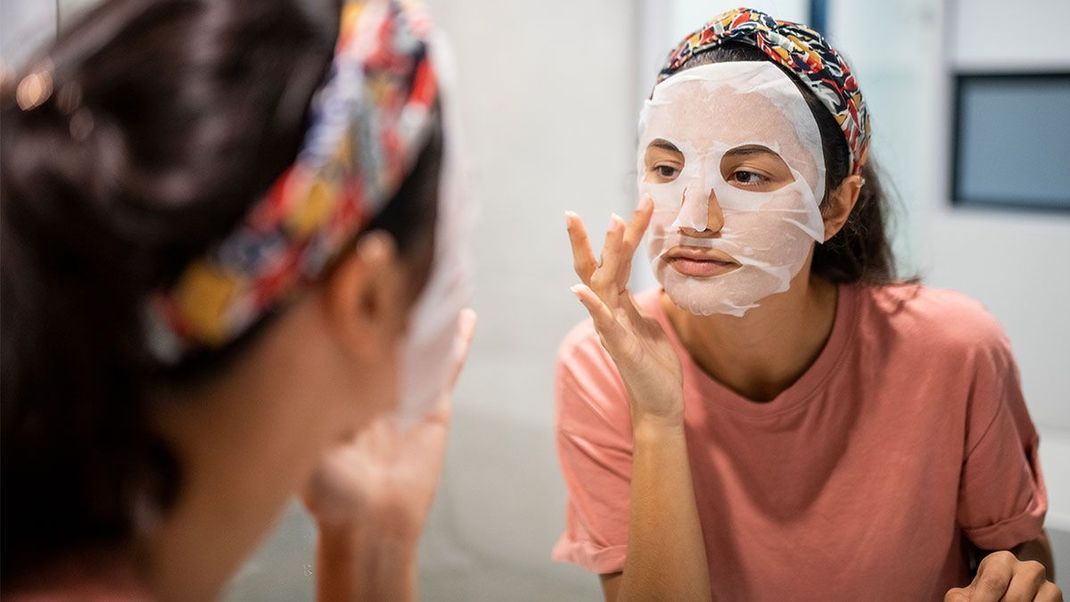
(800, 49)
(369, 121)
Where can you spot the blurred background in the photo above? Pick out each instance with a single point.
(971, 116)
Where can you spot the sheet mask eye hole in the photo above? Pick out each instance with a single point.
(666, 172)
(748, 178)
(662, 161)
(756, 168)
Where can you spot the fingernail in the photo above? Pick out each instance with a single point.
(575, 288)
(615, 220)
(469, 317)
(568, 219)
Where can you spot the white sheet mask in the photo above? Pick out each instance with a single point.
(705, 112)
(427, 353)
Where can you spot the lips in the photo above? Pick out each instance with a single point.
(700, 263)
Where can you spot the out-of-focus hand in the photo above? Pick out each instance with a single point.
(637, 343)
(385, 477)
(1002, 577)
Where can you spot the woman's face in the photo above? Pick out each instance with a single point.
(731, 156)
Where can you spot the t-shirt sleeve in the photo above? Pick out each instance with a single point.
(593, 436)
(1002, 501)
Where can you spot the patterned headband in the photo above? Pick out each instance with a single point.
(800, 49)
(369, 121)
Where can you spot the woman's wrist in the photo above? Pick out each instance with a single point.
(656, 426)
(370, 533)
(665, 416)
(656, 407)
(364, 562)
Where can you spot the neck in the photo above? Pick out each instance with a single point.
(763, 353)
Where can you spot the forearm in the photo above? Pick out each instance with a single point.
(666, 551)
(359, 564)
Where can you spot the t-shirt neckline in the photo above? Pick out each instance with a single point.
(828, 360)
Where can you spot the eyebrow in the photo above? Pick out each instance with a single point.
(747, 149)
(751, 149)
(664, 145)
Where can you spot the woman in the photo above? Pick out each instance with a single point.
(224, 236)
(784, 420)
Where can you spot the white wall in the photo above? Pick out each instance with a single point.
(689, 15)
(1008, 35)
(548, 103)
(24, 27)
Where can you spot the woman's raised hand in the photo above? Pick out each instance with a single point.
(638, 345)
(386, 476)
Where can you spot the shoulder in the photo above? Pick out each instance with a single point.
(590, 400)
(935, 319)
(583, 365)
(580, 345)
(946, 343)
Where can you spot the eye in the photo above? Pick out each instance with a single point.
(748, 178)
(666, 171)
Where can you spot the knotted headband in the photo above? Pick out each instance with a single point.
(369, 121)
(800, 49)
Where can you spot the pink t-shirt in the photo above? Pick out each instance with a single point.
(859, 482)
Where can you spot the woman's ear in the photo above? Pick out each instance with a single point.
(364, 296)
(841, 201)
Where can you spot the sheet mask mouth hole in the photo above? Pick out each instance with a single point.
(700, 271)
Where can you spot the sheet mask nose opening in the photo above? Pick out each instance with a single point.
(694, 210)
